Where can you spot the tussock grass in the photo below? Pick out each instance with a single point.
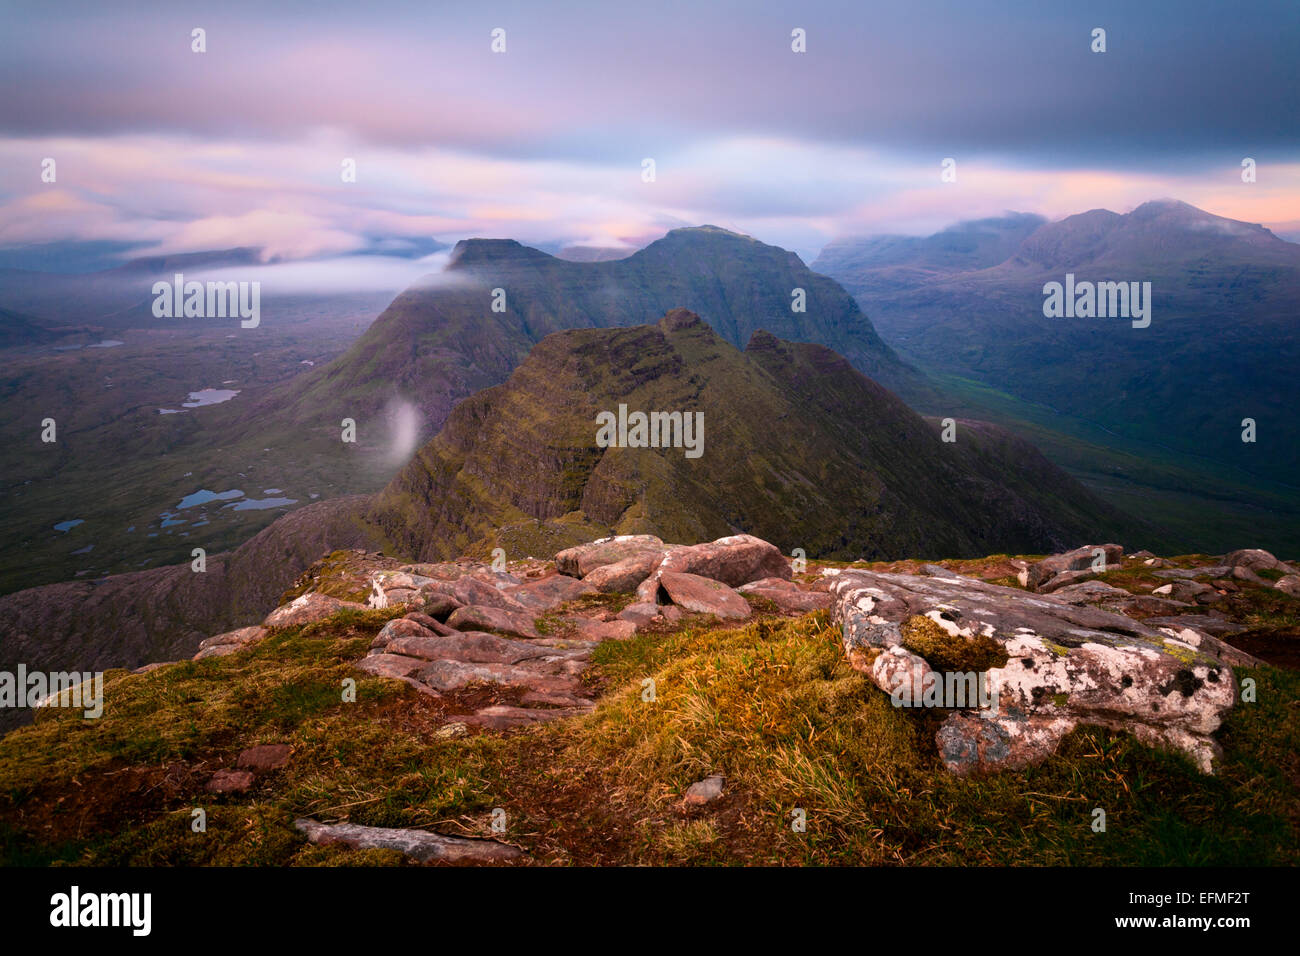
(771, 705)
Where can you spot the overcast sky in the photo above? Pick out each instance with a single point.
(243, 144)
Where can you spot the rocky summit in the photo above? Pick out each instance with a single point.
(530, 711)
(1040, 663)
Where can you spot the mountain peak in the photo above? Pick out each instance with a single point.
(676, 320)
(474, 252)
(707, 230)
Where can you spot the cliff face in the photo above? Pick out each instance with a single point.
(799, 448)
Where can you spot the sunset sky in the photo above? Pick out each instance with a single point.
(160, 149)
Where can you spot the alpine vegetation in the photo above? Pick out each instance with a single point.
(653, 430)
(1102, 300)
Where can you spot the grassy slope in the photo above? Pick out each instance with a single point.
(770, 704)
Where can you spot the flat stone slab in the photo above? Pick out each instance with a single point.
(229, 781)
(418, 844)
(485, 618)
(395, 666)
(548, 592)
(702, 595)
(1071, 567)
(593, 630)
(1067, 664)
(479, 647)
(472, 591)
(623, 577)
(504, 717)
(446, 676)
(792, 600)
(581, 560)
(705, 791)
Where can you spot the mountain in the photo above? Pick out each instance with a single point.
(437, 343)
(799, 448)
(1220, 347)
(17, 329)
(440, 340)
(861, 264)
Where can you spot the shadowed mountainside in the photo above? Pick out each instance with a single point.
(800, 449)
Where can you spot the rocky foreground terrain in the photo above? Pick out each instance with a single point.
(631, 700)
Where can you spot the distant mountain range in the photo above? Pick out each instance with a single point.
(1221, 347)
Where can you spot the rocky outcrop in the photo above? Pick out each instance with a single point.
(307, 609)
(700, 578)
(735, 560)
(582, 560)
(701, 595)
(1040, 666)
(1072, 567)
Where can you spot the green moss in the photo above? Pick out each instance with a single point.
(950, 652)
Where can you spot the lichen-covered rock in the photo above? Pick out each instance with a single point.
(420, 845)
(968, 743)
(1065, 665)
(307, 609)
